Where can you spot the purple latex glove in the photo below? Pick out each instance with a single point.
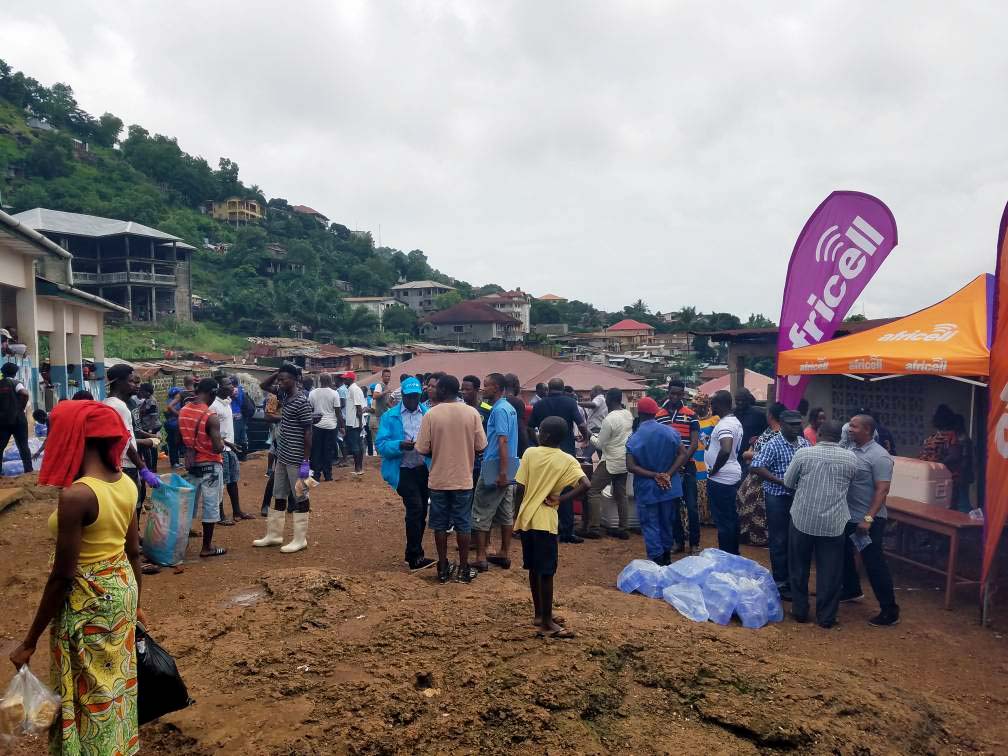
(150, 478)
(304, 472)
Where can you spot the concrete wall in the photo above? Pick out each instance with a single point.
(183, 294)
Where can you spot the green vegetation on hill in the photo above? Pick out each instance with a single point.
(150, 341)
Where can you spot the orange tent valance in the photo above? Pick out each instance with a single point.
(949, 338)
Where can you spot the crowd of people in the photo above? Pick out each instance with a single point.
(467, 457)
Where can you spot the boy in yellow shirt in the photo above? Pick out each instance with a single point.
(543, 475)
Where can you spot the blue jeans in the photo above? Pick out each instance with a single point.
(721, 497)
(778, 520)
(450, 508)
(656, 526)
(690, 500)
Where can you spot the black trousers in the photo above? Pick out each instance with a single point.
(323, 449)
(19, 431)
(416, 498)
(876, 567)
(829, 562)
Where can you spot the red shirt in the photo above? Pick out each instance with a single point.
(192, 424)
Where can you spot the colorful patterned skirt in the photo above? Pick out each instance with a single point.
(93, 646)
(752, 512)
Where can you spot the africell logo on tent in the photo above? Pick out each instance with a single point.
(838, 251)
(938, 332)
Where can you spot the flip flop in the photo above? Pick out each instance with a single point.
(561, 634)
(559, 620)
(218, 551)
(246, 516)
(227, 522)
(150, 569)
(500, 561)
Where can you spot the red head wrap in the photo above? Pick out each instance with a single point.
(71, 423)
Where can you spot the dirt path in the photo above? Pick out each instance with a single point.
(338, 649)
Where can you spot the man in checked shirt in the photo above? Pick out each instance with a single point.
(820, 476)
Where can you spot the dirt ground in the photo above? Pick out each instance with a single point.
(339, 649)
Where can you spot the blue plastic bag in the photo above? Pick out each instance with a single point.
(720, 592)
(640, 576)
(752, 603)
(734, 563)
(693, 569)
(166, 535)
(688, 600)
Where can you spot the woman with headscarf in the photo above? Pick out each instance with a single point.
(90, 598)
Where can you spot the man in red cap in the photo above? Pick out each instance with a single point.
(353, 417)
(655, 455)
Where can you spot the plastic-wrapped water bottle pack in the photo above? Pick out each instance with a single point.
(713, 585)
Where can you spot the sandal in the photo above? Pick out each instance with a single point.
(562, 634)
(218, 551)
(226, 522)
(150, 569)
(245, 516)
(502, 562)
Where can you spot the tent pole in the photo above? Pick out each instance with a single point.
(972, 407)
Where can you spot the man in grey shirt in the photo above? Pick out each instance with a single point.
(866, 500)
(820, 476)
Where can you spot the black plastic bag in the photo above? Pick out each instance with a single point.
(160, 689)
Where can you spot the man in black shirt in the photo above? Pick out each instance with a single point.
(558, 404)
(753, 420)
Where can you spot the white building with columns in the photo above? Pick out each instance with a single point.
(39, 304)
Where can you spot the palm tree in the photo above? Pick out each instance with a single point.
(687, 318)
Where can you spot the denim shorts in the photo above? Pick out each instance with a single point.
(353, 440)
(208, 487)
(450, 508)
(231, 469)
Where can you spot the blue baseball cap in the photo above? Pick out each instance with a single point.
(411, 386)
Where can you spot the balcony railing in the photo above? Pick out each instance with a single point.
(121, 277)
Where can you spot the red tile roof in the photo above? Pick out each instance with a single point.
(630, 325)
(307, 210)
(757, 383)
(471, 312)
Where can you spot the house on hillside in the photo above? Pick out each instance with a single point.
(311, 213)
(515, 303)
(38, 299)
(628, 334)
(375, 305)
(419, 295)
(235, 210)
(473, 324)
(139, 268)
(552, 299)
(278, 262)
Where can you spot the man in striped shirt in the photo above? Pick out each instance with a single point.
(820, 476)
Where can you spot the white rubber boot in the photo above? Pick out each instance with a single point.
(274, 529)
(300, 539)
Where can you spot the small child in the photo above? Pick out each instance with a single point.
(543, 475)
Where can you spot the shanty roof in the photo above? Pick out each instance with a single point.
(304, 209)
(530, 367)
(422, 285)
(78, 224)
(471, 312)
(757, 383)
(630, 325)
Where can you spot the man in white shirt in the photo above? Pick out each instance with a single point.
(353, 416)
(221, 407)
(325, 402)
(724, 473)
(596, 413)
(610, 441)
(123, 385)
(13, 422)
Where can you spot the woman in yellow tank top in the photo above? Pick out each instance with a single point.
(93, 589)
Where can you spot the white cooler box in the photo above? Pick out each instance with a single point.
(917, 480)
(610, 513)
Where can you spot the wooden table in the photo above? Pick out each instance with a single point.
(947, 522)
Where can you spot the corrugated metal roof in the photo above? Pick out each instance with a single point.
(421, 285)
(78, 224)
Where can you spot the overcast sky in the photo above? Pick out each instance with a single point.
(609, 151)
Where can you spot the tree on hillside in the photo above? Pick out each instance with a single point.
(107, 130)
(446, 300)
(758, 320)
(359, 320)
(399, 319)
(638, 310)
(856, 318)
(491, 288)
(50, 156)
(687, 318)
(544, 312)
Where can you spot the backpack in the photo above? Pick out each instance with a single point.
(10, 404)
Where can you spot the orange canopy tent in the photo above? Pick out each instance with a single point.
(950, 339)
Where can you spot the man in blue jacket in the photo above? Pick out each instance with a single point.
(405, 469)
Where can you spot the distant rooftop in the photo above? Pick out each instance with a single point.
(78, 224)
(471, 312)
(305, 210)
(551, 298)
(421, 285)
(629, 325)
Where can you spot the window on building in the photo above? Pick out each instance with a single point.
(459, 329)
